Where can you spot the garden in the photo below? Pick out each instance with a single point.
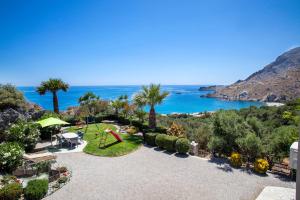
(252, 138)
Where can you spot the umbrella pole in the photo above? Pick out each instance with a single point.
(51, 138)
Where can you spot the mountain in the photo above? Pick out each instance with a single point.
(277, 82)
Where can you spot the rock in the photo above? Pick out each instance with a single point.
(279, 82)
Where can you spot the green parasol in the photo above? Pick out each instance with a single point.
(51, 121)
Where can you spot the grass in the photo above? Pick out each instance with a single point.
(112, 147)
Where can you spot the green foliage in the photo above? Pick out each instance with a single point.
(12, 191)
(53, 86)
(36, 189)
(10, 156)
(250, 145)
(159, 140)
(11, 97)
(62, 180)
(27, 134)
(202, 135)
(150, 138)
(228, 127)
(169, 143)
(281, 140)
(182, 145)
(152, 96)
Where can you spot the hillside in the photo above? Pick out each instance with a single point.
(277, 82)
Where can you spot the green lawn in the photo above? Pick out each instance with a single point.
(112, 148)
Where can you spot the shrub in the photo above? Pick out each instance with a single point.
(12, 191)
(228, 127)
(261, 166)
(159, 140)
(250, 145)
(11, 97)
(202, 135)
(281, 140)
(62, 169)
(169, 143)
(36, 189)
(24, 133)
(236, 160)
(150, 138)
(182, 145)
(62, 180)
(176, 130)
(10, 156)
(132, 130)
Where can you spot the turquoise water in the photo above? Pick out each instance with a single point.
(182, 98)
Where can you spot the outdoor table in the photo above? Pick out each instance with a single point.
(70, 136)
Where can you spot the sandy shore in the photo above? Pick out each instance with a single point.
(274, 104)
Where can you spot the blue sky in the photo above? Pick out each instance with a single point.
(110, 42)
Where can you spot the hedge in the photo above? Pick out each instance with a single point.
(36, 189)
(159, 140)
(12, 191)
(182, 145)
(150, 138)
(169, 143)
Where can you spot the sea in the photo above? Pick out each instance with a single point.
(182, 98)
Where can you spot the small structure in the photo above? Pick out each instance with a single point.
(194, 148)
(293, 155)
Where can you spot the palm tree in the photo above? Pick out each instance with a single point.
(152, 96)
(89, 102)
(119, 103)
(53, 86)
(140, 103)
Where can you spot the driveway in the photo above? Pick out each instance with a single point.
(150, 174)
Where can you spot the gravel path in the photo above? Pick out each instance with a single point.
(149, 174)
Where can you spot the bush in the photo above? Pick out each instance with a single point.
(150, 138)
(62, 169)
(169, 143)
(159, 140)
(10, 156)
(176, 130)
(182, 145)
(12, 191)
(236, 160)
(132, 130)
(62, 180)
(11, 97)
(281, 140)
(261, 166)
(24, 133)
(36, 189)
(250, 145)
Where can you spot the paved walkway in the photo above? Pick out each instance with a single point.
(149, 174)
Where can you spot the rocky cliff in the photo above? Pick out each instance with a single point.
(277, 82)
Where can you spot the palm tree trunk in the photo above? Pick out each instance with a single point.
(55, 103)
(152, 118)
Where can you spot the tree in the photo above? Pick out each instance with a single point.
(250, 145)
(228, 127)
(88, 103)
(11, 97)
(281, 140)
(119, 103)
(53, 86)
(153, 96)
(140, 103)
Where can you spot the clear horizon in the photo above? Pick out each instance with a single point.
(88, 43)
